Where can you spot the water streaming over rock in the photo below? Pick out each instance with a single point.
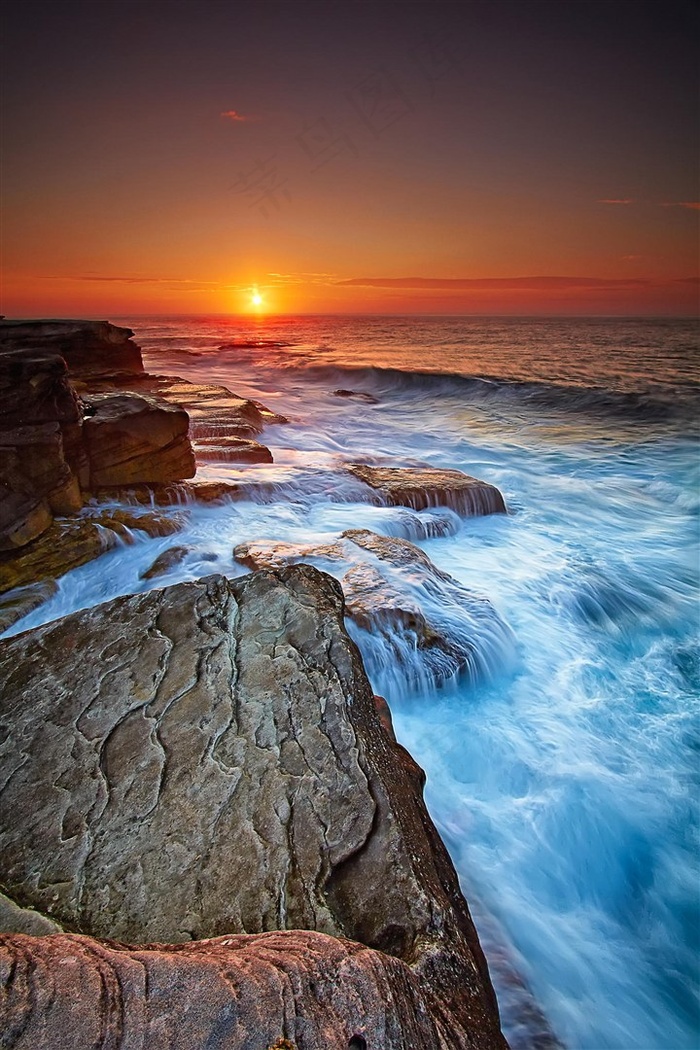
(561, 752)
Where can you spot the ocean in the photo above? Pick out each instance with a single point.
(562, 771)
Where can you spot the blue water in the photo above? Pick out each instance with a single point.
(562, 776)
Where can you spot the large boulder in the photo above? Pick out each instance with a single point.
(88, 347)
(422, 487)
(208, 759)
(135, 438)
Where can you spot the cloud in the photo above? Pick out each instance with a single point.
(494, 283)
(615, 200)
(186, 283)
(693, 205)
(232, 114)
(303, 278)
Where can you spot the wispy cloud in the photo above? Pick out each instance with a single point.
(495, 283)
(187, 284)
(302, 278)
(240, 118)
(693, 205)
(615, 200)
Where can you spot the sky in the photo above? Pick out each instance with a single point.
(490, 157)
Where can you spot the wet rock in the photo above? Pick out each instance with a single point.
(70, 543)
(88, 347)
(218, 766)
(296, 990)
(424, 525)
(370, 600)
(276, 554)
(358, 395)
(422, 487)
(135, 438)
(179, 493)
(165, 562)
(21, 601)
(434, 627)
(230, 450)
(269, 417)
(207, 405)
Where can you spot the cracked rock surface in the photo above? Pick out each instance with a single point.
(207, 759)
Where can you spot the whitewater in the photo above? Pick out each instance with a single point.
(562, 769)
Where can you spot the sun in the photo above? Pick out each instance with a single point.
(256, 299)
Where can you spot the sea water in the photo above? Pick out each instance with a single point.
(563, 775)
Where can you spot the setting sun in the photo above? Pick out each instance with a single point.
(256, 299)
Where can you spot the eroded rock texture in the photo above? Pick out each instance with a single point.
(223, 426)
(421, 487)
(40, 454)
(136, 438)
(208, 759)
(88, 347)
(229, 993)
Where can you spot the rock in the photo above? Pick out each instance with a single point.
(21, 601)
(40, 456)
(276, 554)
(24, 514)
(434, 627)
(68, 544)
(269, 417)
(179, 493)
(359, 395)
(34, 387)
(213, 410)
(14, 919)
(88, 347)
(371, 601)
(430, 487)
(216, 766)
(423, 524)
(136, 438)
(222, 425)
(296, 990)
(230, 450)
(165, 561)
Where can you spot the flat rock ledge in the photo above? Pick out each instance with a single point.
(204, 761)
(423, 487)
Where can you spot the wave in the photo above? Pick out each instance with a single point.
(653, 407)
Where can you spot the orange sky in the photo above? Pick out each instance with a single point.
(541, 162)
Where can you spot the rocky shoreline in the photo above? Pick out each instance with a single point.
(204, 815)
